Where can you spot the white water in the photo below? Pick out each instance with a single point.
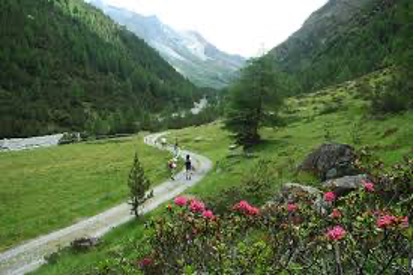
(15, 144)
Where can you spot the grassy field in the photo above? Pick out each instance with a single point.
(333, 115)
(46, 189)
(337, 114)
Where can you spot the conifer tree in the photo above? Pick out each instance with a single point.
(253, 100)
(138, 185)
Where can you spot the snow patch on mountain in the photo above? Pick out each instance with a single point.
(194, 44)
(163, 49)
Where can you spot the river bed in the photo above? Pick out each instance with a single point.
(15, 144)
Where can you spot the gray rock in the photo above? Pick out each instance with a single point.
(330, 161)
(84, 243)
(331, 173)
(290, 192)
(345, 184)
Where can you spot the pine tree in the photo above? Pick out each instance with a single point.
(253, 100)
(138, 185)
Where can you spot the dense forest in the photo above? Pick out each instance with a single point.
(347, 39)
(66, 66)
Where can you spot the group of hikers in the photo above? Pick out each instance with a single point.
(172, 163)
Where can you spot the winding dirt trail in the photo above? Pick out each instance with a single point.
(30, 255)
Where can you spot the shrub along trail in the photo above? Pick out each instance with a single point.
(30, 255)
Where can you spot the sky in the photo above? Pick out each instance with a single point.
(245, 27)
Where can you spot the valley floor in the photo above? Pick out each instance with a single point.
(46, 189)
(337, 114)
(29, 256)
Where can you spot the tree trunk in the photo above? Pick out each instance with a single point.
(136, 207)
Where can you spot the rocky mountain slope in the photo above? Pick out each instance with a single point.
(188, 52)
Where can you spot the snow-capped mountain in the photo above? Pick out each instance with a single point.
(188, 52)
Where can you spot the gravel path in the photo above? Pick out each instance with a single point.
(30, 255)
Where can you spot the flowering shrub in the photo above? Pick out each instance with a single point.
(291, 207)
(208, 214)
(329, 196)
(369, 186)
(245, 208)
(364, 232)
(360, 233)
(180, 201)
(336, 233)
(196, 206)
(336, 214)
(387, 221)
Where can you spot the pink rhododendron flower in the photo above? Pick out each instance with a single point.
(329, 196)
(253, 211)
(385, 220)
(292, 207)
(244, 207)
(208, 214)
(196, 206)
(335, 214)
(145, 262)
(336, 233)
(180, 200)
(369, 186)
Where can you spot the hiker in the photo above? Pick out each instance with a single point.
(171, 166)
(176, 149)
(163, 142)
(188, 167)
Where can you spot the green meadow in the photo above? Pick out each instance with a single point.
(46, 189)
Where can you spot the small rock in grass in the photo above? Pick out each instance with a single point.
(84, 243)
(343, 185)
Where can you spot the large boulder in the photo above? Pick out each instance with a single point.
(345, 184)
(330, 161)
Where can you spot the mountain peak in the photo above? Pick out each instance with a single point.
(152, 17)
(187, 51)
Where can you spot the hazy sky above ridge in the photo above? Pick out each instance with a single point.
(245, 27)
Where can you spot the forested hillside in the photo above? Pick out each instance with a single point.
(64, 65)
(347, 39)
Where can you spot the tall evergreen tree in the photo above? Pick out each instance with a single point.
(138, 185)
(255, 98)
